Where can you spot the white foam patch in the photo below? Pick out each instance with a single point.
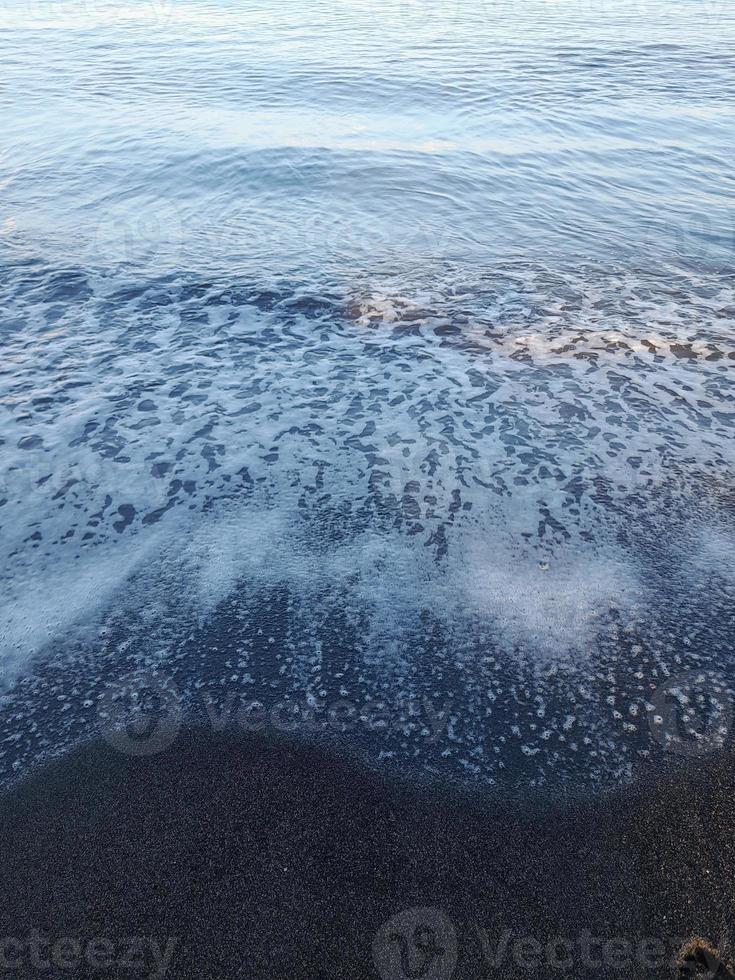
(447, 442)
(548, 609)
(41, 610)
(172, 448)
(711, 548)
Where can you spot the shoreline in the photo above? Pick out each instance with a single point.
(296, 858)
(160, 735)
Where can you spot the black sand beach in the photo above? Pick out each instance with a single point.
(233, 856)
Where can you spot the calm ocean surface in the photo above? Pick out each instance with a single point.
(367, 373)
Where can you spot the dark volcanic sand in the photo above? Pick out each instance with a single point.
(270, 860)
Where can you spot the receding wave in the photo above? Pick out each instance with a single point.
(506, 494)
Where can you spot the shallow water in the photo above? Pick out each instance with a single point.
(363, 354)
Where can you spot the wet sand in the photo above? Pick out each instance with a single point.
(233, 856)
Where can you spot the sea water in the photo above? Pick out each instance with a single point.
(367, 372)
